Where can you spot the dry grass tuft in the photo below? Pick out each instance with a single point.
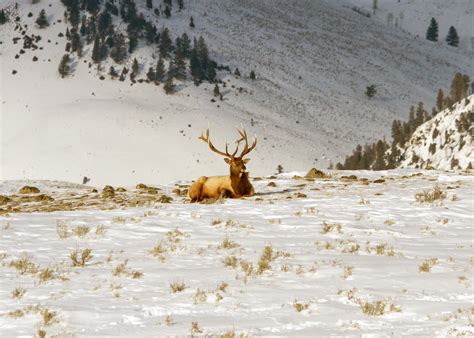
(100, 230)
(300, 306)
(18, 293)
(200, 296)
(328, 227)
(46, 275)
(120, 269)
(222, 286)
(195, 328)
(159, 251)
(378, 308)
(29, 190)
(265, 260)
(228, 244)
(436, 195)
(81, 231)
(24, 264)
(177, 286)
(62, 228)
(247, 267)
(428, 264)
(80, 258)
(230, 262)
(49, 317)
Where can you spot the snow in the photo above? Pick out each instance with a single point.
(114, 133)
(324, 270)
(459, 145)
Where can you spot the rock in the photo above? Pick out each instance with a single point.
(165, 199)
(141, 186)
(315, 173)
(380, 180)
(120, 189)
(29, 190)
(271, 184)
(108, 188)
(152, 191)
(349, 178)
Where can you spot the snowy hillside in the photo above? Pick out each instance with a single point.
(414, 16)
(445, 141)
(313, 60)
(379, 253)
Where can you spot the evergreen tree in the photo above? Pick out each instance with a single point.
(112, 72)
(177, 68)
(151, 74)
(452, 39)
(252, 75)
(74, 14)
(99, 51)
(195, 66)
(185, 45)
(440, 100)
(191, 22)
(459, 87)
(237, 72)
(92, 6)
(135, 69)
(150, 33)
(169, 86)
(420, 115)
(76, 43)
(411, 121)
(103, 22)
(119, 51)
(160, 70)
(84, 28)
(216, 90)
(370, 91)
(42, 21)
(167, 12)
(165, 43)
(132, 43)
(180, 4)
(432, 32)
(149, 4)
(3, 17)
(64, 67)
(380, 149)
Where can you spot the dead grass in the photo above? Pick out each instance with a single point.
(62, 228)
(200, 296)
(230, 262)
(24, 265)
(46, 275)
(195, 328)
(434, 196)
(177, 286)
(81, 231)
(228, 244)
(300, 306)
(378, 308)
(80, 258)
(265, 260)
(328, 227)
(428, 264)
(18, 293)
(100, 230)
(222, 286)
(159, 251)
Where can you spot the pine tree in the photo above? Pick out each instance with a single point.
(185, 45)
(380, 149)
(191, 22)
(452, 39)
(3, 17)
(420, 115)
(160, 70)
(149, 4)
(99, 51)
(411, 121)
(64, 67)
(432, 32)
(195, 66)
(167, 12)
(92, 6)
(42, 21)
(169, 86)
(252, 75)
(177, 68)
(103, 22)
(118, 53)
(370, 91)
(84, 28)
(180, 4)
(459, 87)
(76, 43)
(165, 43)
(216, 91)
(237, 72)
(135, 69)
(440, 100)
(112, 72)
(132, 43)
(151, 74)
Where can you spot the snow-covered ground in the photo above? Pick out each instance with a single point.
(313, 61)
(338, 246)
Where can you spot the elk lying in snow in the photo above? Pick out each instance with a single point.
(236, 184)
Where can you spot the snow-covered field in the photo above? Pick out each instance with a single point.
(343, 256)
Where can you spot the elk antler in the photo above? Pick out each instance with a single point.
(243, 137)
(206, 139)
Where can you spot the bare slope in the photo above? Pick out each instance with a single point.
(313, 60)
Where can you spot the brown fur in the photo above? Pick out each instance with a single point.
(235, 185)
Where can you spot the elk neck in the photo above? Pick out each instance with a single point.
(239, 184)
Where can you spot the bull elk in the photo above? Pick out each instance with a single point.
(236, 184)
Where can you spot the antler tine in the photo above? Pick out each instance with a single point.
(244, 137)
(211, 146)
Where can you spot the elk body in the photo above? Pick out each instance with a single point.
(234, 185)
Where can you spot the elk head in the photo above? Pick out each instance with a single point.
(236, 163)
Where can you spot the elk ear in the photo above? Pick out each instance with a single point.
(227, 160)
(247, 160)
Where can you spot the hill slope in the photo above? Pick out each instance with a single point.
(313, 60)
(445, 141)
